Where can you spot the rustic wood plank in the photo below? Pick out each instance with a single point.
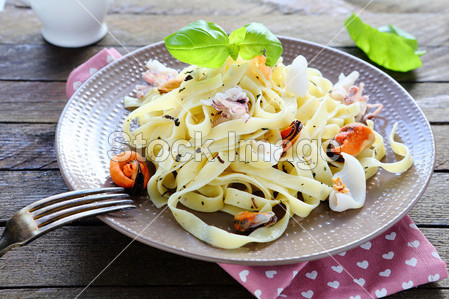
(31, 101)
(236, 7)
(428, 210)
(20, 188)
(50, 63)
(44, 101)
(22, 26)
(31, 146)
(323, 29)
(196, 291)
(432, 98)
(440, 134)
(404, 6)
(73, 256)
(43, 62)
(27, 146)
(421, 293)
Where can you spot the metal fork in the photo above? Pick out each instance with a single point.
(49, 213)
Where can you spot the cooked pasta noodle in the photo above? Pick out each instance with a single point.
(214, 154)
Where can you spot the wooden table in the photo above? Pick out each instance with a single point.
(32, 96)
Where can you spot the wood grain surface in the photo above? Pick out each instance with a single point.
(32, 96)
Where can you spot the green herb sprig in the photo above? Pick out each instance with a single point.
(206, 44)
(388, 46)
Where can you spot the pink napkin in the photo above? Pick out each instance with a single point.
(397, 260)
(80, 75)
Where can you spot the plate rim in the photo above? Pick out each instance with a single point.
(257, 261)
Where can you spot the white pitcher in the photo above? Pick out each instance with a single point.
(72, 23)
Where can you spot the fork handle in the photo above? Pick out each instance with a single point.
(6, 242)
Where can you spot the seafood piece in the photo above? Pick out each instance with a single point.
(248, 221)
(353, 139)
(348, 93)
(233, 104)
(290, 135)
(379, 107)
(296, 81)
(157, 73)
(260, 61)
(339, 186)
(142, 90)
(170, 85)
(340, 89)
(349, 186)
(128, 170)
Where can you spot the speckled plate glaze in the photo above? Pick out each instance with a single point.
(96, 110)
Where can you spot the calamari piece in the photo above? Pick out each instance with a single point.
(296, 81)
(233, 104)
(157, 73)
(142, 90)
(340, 89)
(350, 186)
(379, 107)
(348, 93)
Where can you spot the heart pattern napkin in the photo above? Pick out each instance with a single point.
(397, 260)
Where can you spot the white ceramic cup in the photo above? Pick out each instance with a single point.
(71, 23)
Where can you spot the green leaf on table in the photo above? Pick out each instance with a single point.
(202, 43)
(408, 38)
(257, 40)
(387, 46)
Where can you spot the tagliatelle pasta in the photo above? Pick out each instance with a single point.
(218, 143)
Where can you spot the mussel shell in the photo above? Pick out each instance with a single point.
(331, 154)
(259, 220)
(139, 182)
(295, 129)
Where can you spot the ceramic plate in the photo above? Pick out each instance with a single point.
(95, 111)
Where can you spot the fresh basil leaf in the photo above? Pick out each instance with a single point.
(202, 43)
(408, 38)
(392, 49)
(257, 40)
(235, 39)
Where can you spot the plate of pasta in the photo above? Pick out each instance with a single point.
(251, 164)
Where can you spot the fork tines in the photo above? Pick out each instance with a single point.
(60, 209)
